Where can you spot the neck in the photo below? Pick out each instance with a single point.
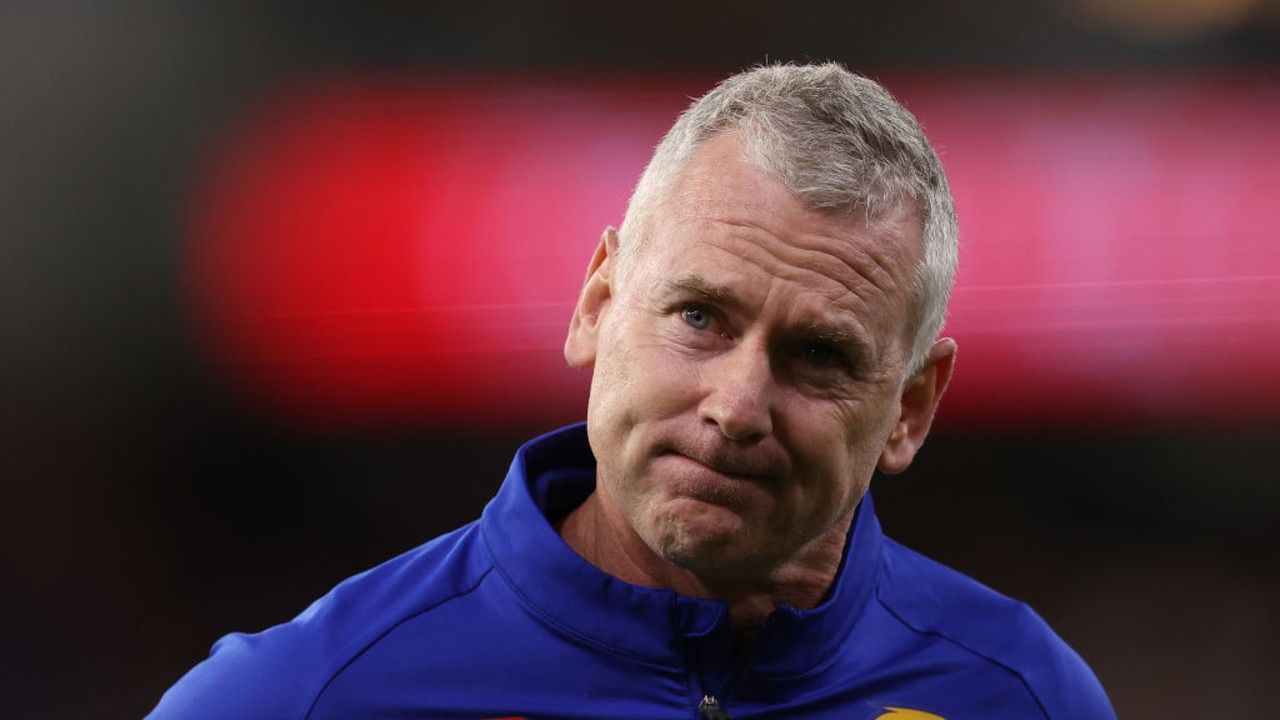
(607, 541)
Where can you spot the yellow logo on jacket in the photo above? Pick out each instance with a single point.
(897, 713)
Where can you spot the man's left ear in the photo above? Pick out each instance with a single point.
(919, 402)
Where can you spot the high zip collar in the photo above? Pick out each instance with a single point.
(556, 472)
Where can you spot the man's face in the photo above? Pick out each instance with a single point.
(748, 367)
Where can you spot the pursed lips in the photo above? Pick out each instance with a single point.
(734, 467)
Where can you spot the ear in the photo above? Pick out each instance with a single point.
(597, 290)
(919, 402)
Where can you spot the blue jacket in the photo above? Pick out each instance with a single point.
(501, 619)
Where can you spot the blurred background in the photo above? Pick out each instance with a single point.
(283, 288)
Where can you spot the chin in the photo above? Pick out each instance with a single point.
(706, 539)
(711, 555)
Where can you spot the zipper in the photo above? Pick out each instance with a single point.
(710, 709)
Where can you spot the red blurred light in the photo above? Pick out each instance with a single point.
(365, 253)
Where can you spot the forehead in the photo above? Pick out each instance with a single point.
(729, 223)
(720, 182)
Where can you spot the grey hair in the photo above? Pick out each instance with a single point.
(842, 144)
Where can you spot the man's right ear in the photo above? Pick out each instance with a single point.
(597, 291)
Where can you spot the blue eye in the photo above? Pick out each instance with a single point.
(696, 317)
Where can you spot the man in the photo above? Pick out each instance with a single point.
(763, 330)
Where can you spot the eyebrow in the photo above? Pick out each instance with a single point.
(698, 286)
(831, 334)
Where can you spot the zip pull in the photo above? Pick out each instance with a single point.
(711, 710)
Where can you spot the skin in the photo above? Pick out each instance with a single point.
(749, 377)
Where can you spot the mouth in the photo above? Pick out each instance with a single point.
(739, 468)
(738, 488)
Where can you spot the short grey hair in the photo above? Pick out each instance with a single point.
(842, 144)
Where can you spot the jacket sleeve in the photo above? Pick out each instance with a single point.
(1064, 685)
(246, 677)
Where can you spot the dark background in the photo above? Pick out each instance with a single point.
(146, 511)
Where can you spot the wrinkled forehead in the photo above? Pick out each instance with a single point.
(711, 163)
(725, 210)
(723, 181)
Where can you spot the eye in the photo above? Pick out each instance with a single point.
(696, 317)
(822, 356)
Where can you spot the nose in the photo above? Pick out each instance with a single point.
(739, 394)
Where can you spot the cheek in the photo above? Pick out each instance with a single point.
(867, 421)
(638, 372)
(840, 448)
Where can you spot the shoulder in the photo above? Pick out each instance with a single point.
(933, 599)
(280, 672)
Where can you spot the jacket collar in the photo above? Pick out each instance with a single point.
(553, 474)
